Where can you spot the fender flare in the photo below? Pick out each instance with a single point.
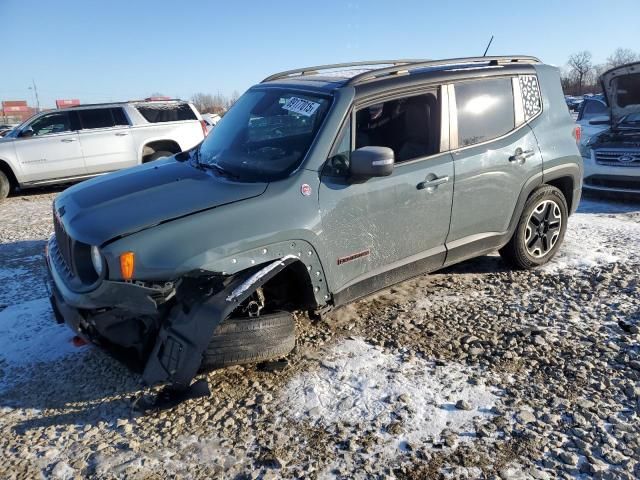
(186, 332)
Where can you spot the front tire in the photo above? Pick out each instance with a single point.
(243, 340)
(540, 230)
(5, 186)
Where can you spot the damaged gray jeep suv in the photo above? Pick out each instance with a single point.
(319, 186)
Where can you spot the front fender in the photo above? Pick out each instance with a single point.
(185, 334)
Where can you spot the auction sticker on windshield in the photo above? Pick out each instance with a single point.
(301, 106)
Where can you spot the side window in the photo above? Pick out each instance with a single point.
(96, 118)
(119, 117)
(166, 112)
(593, 108)
(409, 126)
(338, 163)
(53, 123)
(485, 110)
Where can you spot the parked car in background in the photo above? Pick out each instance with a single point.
(316, 188)
(211, 119)
(75, 143)
(612, 155)
(573, 103)
(593, 117)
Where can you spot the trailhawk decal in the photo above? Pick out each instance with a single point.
(354, 256)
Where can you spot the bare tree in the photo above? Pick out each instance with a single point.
(580, 67)
(204, 102)
(234, 98)
(622, 56)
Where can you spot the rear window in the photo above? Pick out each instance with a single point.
(166, 112)
(102, 118)
(96, 118)
(485, 110)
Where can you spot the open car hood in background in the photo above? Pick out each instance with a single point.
(621, 86)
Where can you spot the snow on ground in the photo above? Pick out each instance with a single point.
(30, 335)
(599, 233)
(358, 382)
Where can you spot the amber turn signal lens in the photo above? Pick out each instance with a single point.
(127, 262)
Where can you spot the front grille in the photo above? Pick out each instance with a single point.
(618, 158)
(65, 246)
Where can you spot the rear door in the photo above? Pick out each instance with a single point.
(52, 151)
(388, 228)
(106, 139)
(495, 152)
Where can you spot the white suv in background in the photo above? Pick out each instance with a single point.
(71, 144)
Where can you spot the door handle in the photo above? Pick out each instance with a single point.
(521, 156)
(121, 134)
(68, 140)
(432, 183)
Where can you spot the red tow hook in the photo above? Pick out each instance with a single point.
(78, 341)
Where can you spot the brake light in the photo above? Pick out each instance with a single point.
(577, 133)
(203, 124)
(127, 264)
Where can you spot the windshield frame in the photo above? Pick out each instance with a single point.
(298, 164)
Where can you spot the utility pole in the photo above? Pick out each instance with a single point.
(35, 91)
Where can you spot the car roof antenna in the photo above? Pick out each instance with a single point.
(488, 45)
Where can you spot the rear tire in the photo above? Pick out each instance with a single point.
(250, 339)
(157, 155)
(5, 186)
(540, 230)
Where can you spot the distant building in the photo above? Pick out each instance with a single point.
(67, 103)
(15, 111)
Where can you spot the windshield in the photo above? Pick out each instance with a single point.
(265, 135)
(633, 120)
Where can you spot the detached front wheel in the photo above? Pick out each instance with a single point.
(540, 230)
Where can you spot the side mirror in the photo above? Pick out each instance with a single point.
(600, 120)
(26, 132)
(367, 162)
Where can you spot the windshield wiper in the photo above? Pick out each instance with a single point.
(213, 166)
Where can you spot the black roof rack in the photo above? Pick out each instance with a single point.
(401, 66)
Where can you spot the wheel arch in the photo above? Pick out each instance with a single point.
(162, 144)
(8, 171)
(303, 275)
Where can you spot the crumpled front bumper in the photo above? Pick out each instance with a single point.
(77, 308)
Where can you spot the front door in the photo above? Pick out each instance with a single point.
(495, 153)
(388, 228)
(48, 148)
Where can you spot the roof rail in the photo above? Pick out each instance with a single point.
(491, 61)
(314, 70)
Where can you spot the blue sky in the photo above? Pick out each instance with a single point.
(116, 49)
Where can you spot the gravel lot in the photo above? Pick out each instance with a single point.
(473, 372)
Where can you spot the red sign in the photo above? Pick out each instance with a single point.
(67, 103)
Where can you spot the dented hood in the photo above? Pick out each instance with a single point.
(131, 200)
(621, 86)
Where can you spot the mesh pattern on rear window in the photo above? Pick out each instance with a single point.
(166, 112)
(530, 96)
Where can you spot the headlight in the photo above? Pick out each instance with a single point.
(585, 149)
(96, 259)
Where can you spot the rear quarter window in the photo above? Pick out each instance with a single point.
(485, 110)
(166, 112)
